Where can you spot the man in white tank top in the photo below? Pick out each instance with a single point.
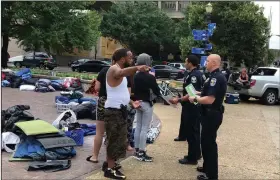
(115, 115)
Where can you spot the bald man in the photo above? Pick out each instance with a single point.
(211, 100)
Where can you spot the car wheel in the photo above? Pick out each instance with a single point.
(270, 97)
(244, 97)
(78, 70)
(73, 69)
(50, 68)
(42, 66)
(18, 64)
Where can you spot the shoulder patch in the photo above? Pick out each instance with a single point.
(193, 79)
(213, 82)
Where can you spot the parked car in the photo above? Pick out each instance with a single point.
(91, 66)
(77, 62)
(42, 60)
(12, 60)
(165, 71)
(264, 85)
(178, 65)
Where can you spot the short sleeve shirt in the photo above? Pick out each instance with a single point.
(215, 85)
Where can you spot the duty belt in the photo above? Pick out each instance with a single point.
(206, 109)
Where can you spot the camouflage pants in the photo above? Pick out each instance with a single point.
(130, 119)
(116, 131)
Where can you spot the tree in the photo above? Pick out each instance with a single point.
(140, 26)
(51, 25)
(241, 34)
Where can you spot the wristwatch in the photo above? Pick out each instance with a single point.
(195, 100)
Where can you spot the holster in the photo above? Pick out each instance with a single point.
(124, 111)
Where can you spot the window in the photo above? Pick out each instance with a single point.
(177, 65)
(264, 72)
(168, 5)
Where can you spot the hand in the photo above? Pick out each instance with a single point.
(143, 68)
(191, 99)
(173, 100)
(197, 92)
(136, 104)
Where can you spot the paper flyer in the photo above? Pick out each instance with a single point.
(191, 91)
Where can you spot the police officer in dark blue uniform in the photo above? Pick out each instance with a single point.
(211, 100)
(191, 112)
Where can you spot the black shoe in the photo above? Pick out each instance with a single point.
(179, 139)
(200, 169)
(113, 174)
(186, 161)
(202, 177)
(186, 157)
(135, 155)
(105, 166)
(142, 156)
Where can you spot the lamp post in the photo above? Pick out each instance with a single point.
(209, 9)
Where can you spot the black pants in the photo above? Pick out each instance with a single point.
(183, 124)
(211, 121)
(193, 132)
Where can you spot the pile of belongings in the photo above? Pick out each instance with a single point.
(152, 133)
(83, 107)
(30, 139)
(67, 122)
(91, 89)
(23, 80)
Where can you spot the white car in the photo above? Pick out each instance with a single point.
(178, 65)
(264, 85)
(13, 60)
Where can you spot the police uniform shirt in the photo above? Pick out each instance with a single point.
(195, 77)
(215, 85)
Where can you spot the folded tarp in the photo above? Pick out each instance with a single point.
(36, 127)
(50, 165)
(55, 142)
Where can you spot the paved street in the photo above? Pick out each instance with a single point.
(248, 144)
(248, 141)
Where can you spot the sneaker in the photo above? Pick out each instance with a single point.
(142, 156)
(105, 166)
(113, 174)
(135, 155)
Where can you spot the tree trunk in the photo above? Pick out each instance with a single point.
(95, 52)
(4, 52)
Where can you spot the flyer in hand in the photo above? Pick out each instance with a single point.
(191, 91)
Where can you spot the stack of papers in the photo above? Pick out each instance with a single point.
(191, 91)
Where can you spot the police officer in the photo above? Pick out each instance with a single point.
(211, 100)
(191, 112)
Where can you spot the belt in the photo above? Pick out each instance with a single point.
(123, 110)
(220, 109)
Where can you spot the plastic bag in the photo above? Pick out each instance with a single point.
(84, 111)
(67, 116)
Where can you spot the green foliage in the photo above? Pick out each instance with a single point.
(84, 76)
(241, 33)
(138, 25)
(53, 25)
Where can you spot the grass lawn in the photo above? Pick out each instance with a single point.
(85, 76)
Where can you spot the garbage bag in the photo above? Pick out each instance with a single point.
(50, 165)
(84, 111)
(31, 81)
(15, 114)
(16, 82)
(57, 86)
(64, 118)
(17, 108)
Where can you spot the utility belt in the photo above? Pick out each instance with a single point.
(123, 110)
(207, 109)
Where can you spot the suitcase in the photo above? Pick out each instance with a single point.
(232, 98)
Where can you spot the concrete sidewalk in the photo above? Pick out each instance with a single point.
(246, 148)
